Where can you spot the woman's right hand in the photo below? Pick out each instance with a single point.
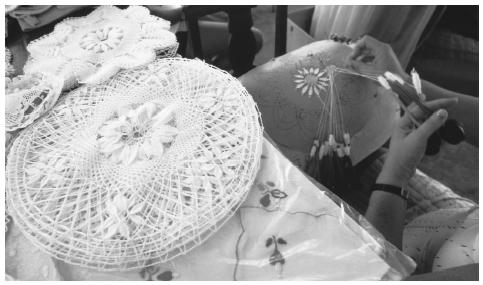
(371, 56)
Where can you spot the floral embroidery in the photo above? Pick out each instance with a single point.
(212, 166)
(218, 100)
(153, 273)
(276, 258)
(138, 134)
(47, 171)
(102, 40)
(121, 212)
(311, 80)
(270, 195)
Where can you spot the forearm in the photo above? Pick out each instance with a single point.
(386, 210)
(386, 214)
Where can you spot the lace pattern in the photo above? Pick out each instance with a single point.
(28, 97)
(93, 48)
(91, 187)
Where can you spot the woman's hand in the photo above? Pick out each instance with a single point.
(409, 143)
(371, 56)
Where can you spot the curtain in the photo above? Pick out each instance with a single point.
(399, 26)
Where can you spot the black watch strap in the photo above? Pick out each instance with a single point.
(391, 189)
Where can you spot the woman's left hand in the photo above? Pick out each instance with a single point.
(409, 143)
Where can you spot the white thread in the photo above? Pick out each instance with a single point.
(83, 208)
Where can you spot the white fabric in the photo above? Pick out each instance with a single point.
(93, 48)
(110, 210)
(316, 238)
(400, 26)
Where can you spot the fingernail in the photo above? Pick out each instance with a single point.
(442, 114)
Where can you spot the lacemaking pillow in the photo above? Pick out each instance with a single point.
(307, 92)
(93, 48)
(137, 170)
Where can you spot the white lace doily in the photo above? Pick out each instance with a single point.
(93, 48)
(28, 97)
(137, 170)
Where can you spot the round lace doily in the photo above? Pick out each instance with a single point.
(137, 170)
(93, 48)
(28, 97)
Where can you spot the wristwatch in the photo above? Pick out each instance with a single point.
(400, 191)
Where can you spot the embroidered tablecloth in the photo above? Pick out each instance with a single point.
(289, 228)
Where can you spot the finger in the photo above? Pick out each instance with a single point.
(362, 47)
(358, 50)
(406, 122)
(434, 122)
(432, 105)
(353, 64)
(370, 65)
(367, 45)
(363, 67)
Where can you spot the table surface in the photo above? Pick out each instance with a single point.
(289, 227)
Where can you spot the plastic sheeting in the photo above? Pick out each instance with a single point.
(288, 228)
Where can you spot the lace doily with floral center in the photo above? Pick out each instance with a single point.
(27, 97)
(93, 48)
(138, 170)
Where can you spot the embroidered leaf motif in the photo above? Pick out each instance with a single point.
(165, 276)
(278, 194)
(265, 200)
(281, 241)
(261, 187)
(268, 242)
(148, 272)
(270, 183)
(276, 257)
